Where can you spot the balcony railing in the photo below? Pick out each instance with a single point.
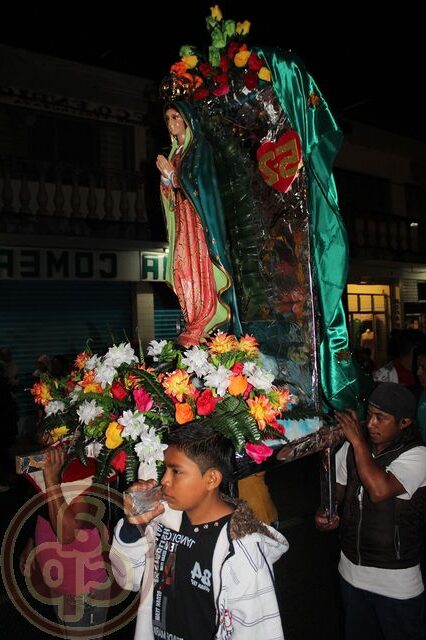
(36, 192)
(386, 237)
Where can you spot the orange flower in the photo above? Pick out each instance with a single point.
(280, 398)
(248, 345)
(262, 411)
(222, 343)
(41, 393)
(89, 384)
(177, 384)
(178, 68)
(183, 413)
(264, 74)
(81, 360)
(238, 385)
(241, 58)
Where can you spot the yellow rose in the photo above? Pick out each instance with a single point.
(243, 27)
(58, 432)
(190, 61)
(113, 435)
(216, 13)
(264, 74)
(240, 59)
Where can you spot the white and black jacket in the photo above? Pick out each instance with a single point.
(243, 585)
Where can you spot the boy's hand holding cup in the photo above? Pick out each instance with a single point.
(142, 502)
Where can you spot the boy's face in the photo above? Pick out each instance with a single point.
(383, 428)
(184, 486)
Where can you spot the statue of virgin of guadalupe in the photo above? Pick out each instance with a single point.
(199, 266)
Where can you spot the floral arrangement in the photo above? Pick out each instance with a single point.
(118, 406)
(229, 63)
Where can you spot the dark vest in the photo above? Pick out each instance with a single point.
(387, 534)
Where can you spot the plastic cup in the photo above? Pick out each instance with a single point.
(143, 500)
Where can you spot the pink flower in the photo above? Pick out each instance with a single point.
(258, 452)
(143, 400)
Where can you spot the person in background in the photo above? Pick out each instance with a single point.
(381, 481)
(400, 369)
(43, 366)
(204, 560)
(421, 405)
(63, 558)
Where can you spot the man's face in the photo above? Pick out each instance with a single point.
(421, 370)
(184, 486)
(383, 428)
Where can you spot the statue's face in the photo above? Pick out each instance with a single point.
(175, 124)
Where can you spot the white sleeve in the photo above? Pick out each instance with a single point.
(341, 468)
(410, 469)
(128, 560)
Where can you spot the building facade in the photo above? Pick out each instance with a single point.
(381, 181)
(78, 202)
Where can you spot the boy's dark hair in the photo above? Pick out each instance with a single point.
(206, 447)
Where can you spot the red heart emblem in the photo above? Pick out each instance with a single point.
(279, 162)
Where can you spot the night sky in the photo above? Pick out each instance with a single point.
(363, 67)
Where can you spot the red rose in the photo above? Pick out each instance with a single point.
(70, 386)
(206, 69)
(237, 368)
(250, 79)
(221, 78)
(118, 391)
(206, 403)
(221, 90)
(200, 94)
(232, 49)
(119, 461)
(254, 63)
(224, 64)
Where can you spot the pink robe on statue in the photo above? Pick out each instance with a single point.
(193, 276)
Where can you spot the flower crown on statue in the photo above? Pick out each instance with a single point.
(230, 64)
(118, 406)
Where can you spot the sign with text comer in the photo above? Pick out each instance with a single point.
(28, 263)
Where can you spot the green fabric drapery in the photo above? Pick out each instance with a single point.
(321, 139)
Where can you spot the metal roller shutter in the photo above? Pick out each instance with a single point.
(58, 318)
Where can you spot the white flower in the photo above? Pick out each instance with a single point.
(155, 348)
(92, 363)
(54, 406)
(75, 395)
(150, 449)
(220, 379)
(88, 411)
(259, 378)
(133, 423)
(197, 361)
(147, 471)
(123, 354)
(105, 374)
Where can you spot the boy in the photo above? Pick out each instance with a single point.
(204, 560)
(381, 478)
